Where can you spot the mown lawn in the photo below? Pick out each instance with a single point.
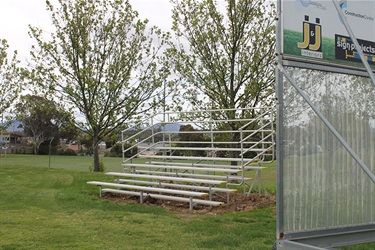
(78, 163)
(52, 207)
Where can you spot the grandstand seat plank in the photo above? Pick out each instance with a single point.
(225, 170)
(169, 178)
(166, 197)
(197, 148)
(149, 189)
(181, 174)
(208, 165)
(196, 164)
(200, 158)
(192, 187)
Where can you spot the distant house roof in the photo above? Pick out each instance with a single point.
(13, 127)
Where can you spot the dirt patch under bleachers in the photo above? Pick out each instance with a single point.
(237, 203)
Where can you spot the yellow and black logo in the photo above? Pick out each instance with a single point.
(312, 39)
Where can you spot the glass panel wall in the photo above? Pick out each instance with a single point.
(324, 187)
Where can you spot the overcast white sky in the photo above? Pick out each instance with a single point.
(16, 15)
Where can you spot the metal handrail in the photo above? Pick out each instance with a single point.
(264, 146)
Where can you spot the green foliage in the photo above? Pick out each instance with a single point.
(10, 78)
(226, 55)
(116, 150)
(133, 151)
(44, 148)
(69, 152)
(189, 139)
(101, 167)
(111, 140)
(102, 60)
(42, 119)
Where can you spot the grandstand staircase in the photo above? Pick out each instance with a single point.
(195, 157)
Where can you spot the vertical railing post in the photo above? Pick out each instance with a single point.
(152, 130)
(122, 146)
(169, 134)
(261, 119)
(242, 149)
(211, 132)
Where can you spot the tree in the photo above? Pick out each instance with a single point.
(229, 58)
(103, 61)
(225, 56)
(190, 138)
(10, 78)
(42, 119)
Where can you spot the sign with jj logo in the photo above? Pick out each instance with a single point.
(312, 41)
(314, 32)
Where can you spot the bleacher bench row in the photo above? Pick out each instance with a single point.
(181, 183)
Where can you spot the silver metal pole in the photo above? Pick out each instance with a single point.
(49, 152)
(163, 126)
(279, 130)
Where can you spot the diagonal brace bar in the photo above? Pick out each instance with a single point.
(328, 124)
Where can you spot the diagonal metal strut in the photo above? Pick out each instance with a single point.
(328, 124)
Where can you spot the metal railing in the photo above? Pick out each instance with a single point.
(235, 137)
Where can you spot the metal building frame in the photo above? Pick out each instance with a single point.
(326, 238)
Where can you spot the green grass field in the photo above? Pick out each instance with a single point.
(54, 208)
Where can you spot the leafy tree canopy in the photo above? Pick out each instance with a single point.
(225, 55)
(102, 60)
(43, 119)
(10, 78)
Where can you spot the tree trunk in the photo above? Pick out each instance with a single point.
(95, 150)
(36, 148)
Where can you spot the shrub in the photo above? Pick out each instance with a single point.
(89, 151)
(131, 152)
(107, 153)
(116, 151)
(66, 152)
(69, 152)
(101, 166)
